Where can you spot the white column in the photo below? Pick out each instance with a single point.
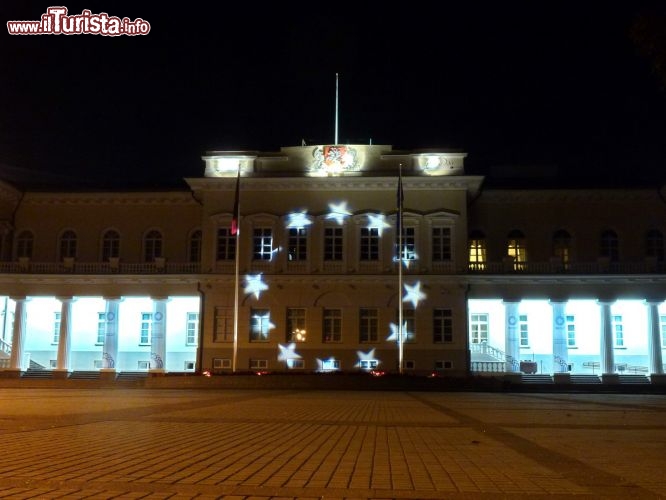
(654, 338)
(65, 340)
(511, 341)
(18, 335)
(158, 336)
(110, 349)
(560, 349)
(606, 347)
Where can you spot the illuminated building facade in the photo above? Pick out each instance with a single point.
(556, 282)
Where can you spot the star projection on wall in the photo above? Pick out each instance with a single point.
(413, 294)
(255, 285)
(338, 212)
(298, 220)
(378, 222)
(367, 360)
(394, 337)
(288, 352)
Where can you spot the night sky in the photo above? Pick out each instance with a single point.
(532, 84)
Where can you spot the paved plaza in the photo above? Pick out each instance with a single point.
(241, 444)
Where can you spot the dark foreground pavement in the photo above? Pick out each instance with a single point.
(204, 444)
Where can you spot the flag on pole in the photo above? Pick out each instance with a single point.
(235, 215)
(400, 199)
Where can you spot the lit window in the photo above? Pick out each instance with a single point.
(562, 246)
(609, 246)
(101, 327)
(262, 242)
(330, 364)
(24, 244)
(442, 327)
(110, 245)
(409, 324)
(369, 243)
(333, 243)
(68, 245)
(478, 325)
(296, 325)
(441, 244)
(260, 323)
(516, 249)
(146, 328)
(571, 331)
(332, 325)
(192, 328)
(298, 244)
(523, 331)
(152, 246)
(477, 251)
(368, 325)
(56, 327)
(408, 244)
(194, 247)
(226, 244)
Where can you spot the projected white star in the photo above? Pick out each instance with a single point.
(255, 285)
(413, 294)
(368, 358)
(378, 222)
(298, 220)
(338, 212)
(288, 352)
(394, 337)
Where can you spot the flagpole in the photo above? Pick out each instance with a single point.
(400, 257)
(336, 109)
(236, 216)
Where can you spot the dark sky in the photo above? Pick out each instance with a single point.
(521, 83)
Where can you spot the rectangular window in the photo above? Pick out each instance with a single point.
(523, 331)
(571, 330)
(618, 331)
(441, 244)
(258, 364)
(293, 363)
(260, 323)
(330, 364)
(221, 363)
(477, 254)
(478, 324)
(368, 323)
(101, 327)
(369, 243)
(368, 364)
(192, 328)
(296, 325)
(408, 324)
(408, 244)
(333, 243)
(442, 328)
(332, 325)
(262, 244)
(188, 366)
(56, 327)
(143, 365)
(298, 244)
(410, 364)
(226, 244)
(443, 365)
(224, 324)
(146, 328)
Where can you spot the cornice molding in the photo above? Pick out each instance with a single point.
(491, 195)
(170, 198)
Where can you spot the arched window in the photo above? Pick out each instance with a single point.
(609, 245)
(562, 246)
(194, 247)
(24, 244)
(654, 244)
(152, 246)
(477, 251)
(110, 245)
(68, 245)
(516, 248)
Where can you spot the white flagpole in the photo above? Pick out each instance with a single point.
(236, 288)
(336, 109)
(400, 257)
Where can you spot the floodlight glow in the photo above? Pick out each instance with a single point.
(395, 337)
(327, 365)
(367, 358)
(413, 294)
(288, 352)
(298, 220)
(255, 285)
(338, 212)
(378, 222)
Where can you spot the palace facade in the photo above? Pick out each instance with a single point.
(556, 282)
